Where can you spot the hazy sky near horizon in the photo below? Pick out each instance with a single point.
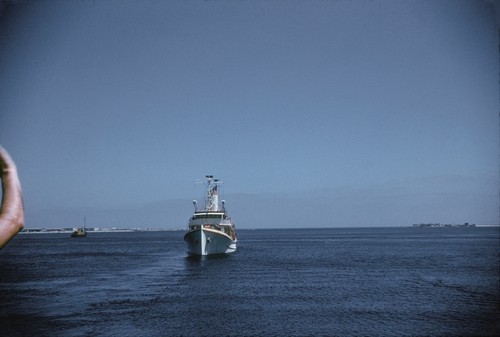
(360, 113)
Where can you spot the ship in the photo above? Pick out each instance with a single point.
(211, 230)
(80, 232)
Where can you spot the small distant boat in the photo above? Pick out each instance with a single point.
(80, 232)
(210, 230)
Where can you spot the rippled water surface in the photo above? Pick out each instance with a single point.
(288, 282)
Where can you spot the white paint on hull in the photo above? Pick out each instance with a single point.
(209, 242)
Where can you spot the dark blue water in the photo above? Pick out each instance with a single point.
(308, 282)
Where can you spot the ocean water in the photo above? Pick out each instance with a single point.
(286, 282)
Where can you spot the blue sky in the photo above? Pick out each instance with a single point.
(315, 114)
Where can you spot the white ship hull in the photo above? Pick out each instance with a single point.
(207, 241)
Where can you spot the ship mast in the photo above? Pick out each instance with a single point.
(211, 202)
(211, 197)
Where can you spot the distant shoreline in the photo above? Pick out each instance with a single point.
(130, 230)
(92, 230)
(451, 225)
